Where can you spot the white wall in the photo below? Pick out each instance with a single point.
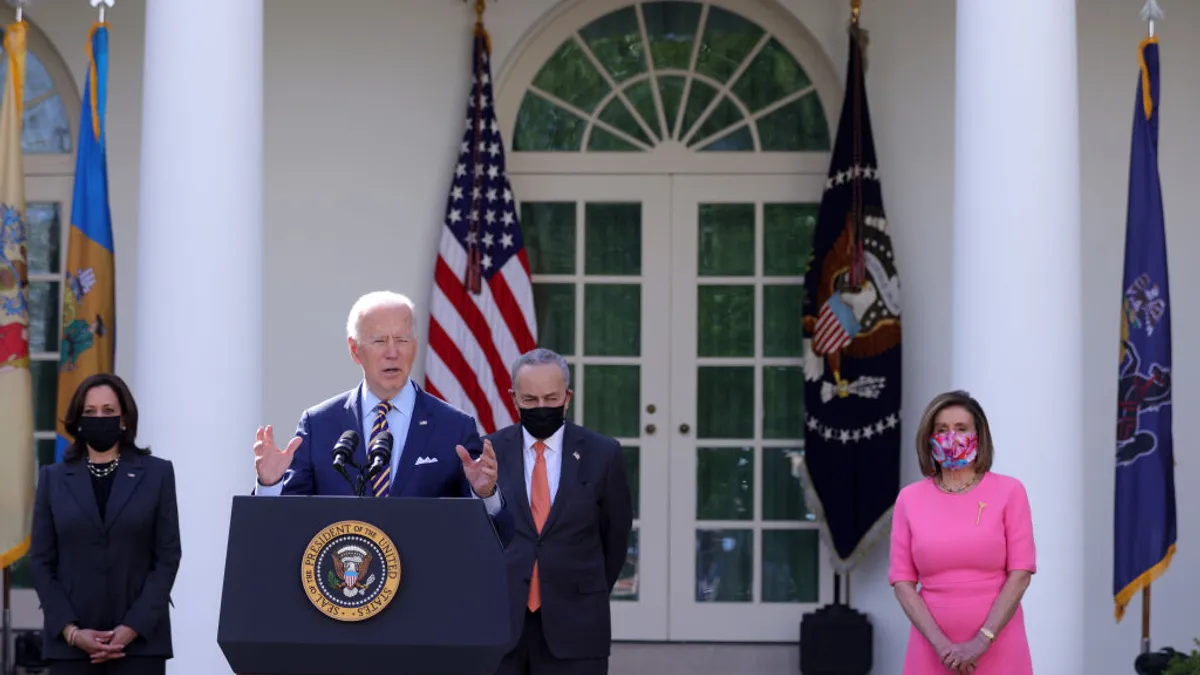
(361, 102)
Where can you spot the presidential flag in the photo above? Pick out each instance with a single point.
(1144, 532)
(481, 315)
(16, 395)
(851, 462)
(89, 300)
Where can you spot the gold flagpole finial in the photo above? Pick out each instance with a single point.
(855, 8)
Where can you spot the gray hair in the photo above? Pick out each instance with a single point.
(375, 300)
(541, 357)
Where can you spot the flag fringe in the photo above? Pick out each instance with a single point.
(13, 555)
(1146, 578)
(813, 501)
(1147, 98)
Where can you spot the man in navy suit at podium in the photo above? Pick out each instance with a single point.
(436, 450)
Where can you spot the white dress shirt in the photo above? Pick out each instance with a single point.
(553, 454)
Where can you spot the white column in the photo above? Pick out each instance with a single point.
(1017, 292)
(199, 285)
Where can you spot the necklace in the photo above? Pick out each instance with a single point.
(957, 490)
(103, 470)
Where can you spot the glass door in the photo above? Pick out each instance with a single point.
(599, 251)
(746, 559)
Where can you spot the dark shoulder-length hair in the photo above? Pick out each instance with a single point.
(951, 399)
(129, 415)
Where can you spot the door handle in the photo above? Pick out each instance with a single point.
(650, 428)
(683, 428)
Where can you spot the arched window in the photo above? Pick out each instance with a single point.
(50, 125)
(669, 158)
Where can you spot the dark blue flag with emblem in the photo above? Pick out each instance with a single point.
(851, 464)
(1144, 520)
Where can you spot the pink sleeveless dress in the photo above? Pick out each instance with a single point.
(960, 548)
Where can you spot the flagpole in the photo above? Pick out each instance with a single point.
(101, 4)
(1150, 13)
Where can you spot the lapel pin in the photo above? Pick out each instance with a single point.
(576, 455)
(422, 423)
(132, 475)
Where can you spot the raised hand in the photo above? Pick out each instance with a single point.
(481, 473)
(270, 463)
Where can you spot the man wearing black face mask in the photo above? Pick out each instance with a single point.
(573, 515)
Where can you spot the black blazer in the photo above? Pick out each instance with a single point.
(98, 574)
(582, 546)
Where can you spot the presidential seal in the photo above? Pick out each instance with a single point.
(350, 571)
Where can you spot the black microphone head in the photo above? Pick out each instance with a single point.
(381, 446)
(344, 449)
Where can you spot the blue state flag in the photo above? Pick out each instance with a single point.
(88, 343)
(1144, 520)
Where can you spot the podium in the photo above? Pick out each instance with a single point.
(359, 586)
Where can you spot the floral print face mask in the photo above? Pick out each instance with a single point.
(954, 449)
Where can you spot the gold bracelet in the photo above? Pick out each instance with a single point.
(988, 634)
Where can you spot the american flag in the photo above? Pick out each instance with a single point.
(481, 315)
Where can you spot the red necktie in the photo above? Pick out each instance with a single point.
(539, 504)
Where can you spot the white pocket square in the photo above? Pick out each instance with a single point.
(426, 460)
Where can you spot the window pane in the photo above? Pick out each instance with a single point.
(672, 30)
(612, 400)
(782, 493)
(616, 41)
(613, 238)
(725, 115)
(43, 316)
(612, 320)
(724, 565)
(45, 128)
(728, 39)
(555, 307)
(570, 76)
(734, 141)
(45, 394)
(724, 483)
(797, 126)
(549, 231)
(725, 402)
(787, 238)
(725, 321)
(726, 246)
(544, 127)
(772, 75)
(633, 474)
(44, 224)
(790, 564)
(602, 140)
(617, 115)
(781, 330)
(783, 402)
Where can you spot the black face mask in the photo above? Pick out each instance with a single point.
(100, 433)
(541, 423)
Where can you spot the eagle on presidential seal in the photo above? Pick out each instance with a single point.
(351, 573)
(857, 308)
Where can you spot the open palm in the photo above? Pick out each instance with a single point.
(269, 461)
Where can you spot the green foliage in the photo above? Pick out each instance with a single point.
(1185, 665)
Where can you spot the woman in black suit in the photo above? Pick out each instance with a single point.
(105, 545)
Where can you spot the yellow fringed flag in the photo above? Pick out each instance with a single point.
(16, 394)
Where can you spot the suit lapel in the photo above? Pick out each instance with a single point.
(354, 420)
(568, 478)
(79, 484)
(511, 456)
(127, 477)
(420, 428)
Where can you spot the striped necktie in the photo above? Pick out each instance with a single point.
(383, 482)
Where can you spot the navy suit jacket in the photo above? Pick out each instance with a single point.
(582, 547)
(435, 430)
(101, 574)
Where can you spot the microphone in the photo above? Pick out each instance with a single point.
(379, 455)
(343, 452)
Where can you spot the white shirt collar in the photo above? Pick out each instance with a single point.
(553, 443)
(404, 401)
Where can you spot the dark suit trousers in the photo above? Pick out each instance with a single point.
(533, 657)
(130, 665)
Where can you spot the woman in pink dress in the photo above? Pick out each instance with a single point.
(965, 535)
